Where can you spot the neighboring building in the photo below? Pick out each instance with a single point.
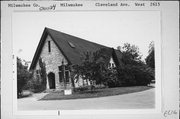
(57, 49)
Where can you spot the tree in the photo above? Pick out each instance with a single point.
(93, 67)
(150, 59)
(134, 71)
(131, 54)
(133, 75)
(38, 83)
(43, 75)
(23, 76)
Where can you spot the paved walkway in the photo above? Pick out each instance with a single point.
(138, 100)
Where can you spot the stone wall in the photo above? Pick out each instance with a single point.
(52, 60)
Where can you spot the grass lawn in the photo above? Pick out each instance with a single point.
(96, 93)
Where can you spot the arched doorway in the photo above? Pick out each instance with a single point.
(51, 79)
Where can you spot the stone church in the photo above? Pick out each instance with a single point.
(57, 49)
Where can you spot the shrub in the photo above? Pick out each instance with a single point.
(42, 74)
(82, 88)
(111, 83)
(126, 76)
(112, 80)
(23, 75)
(144, 75)
(135, 75)
(35, 85)
(129, 75)
(38, 83)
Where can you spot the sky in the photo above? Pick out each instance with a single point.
(110, 28)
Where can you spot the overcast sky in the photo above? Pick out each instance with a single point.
(112, 28)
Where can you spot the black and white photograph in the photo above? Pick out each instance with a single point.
(86, 60)
(89, 59)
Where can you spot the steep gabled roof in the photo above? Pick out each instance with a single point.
(71, 47)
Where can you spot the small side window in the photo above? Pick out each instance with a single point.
(49, 46)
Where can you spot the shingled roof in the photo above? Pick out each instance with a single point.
(71, 47)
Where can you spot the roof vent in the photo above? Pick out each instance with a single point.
(71, 44)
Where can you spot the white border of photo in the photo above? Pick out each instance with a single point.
(166, 63)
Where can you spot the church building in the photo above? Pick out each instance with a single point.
(59, 51)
